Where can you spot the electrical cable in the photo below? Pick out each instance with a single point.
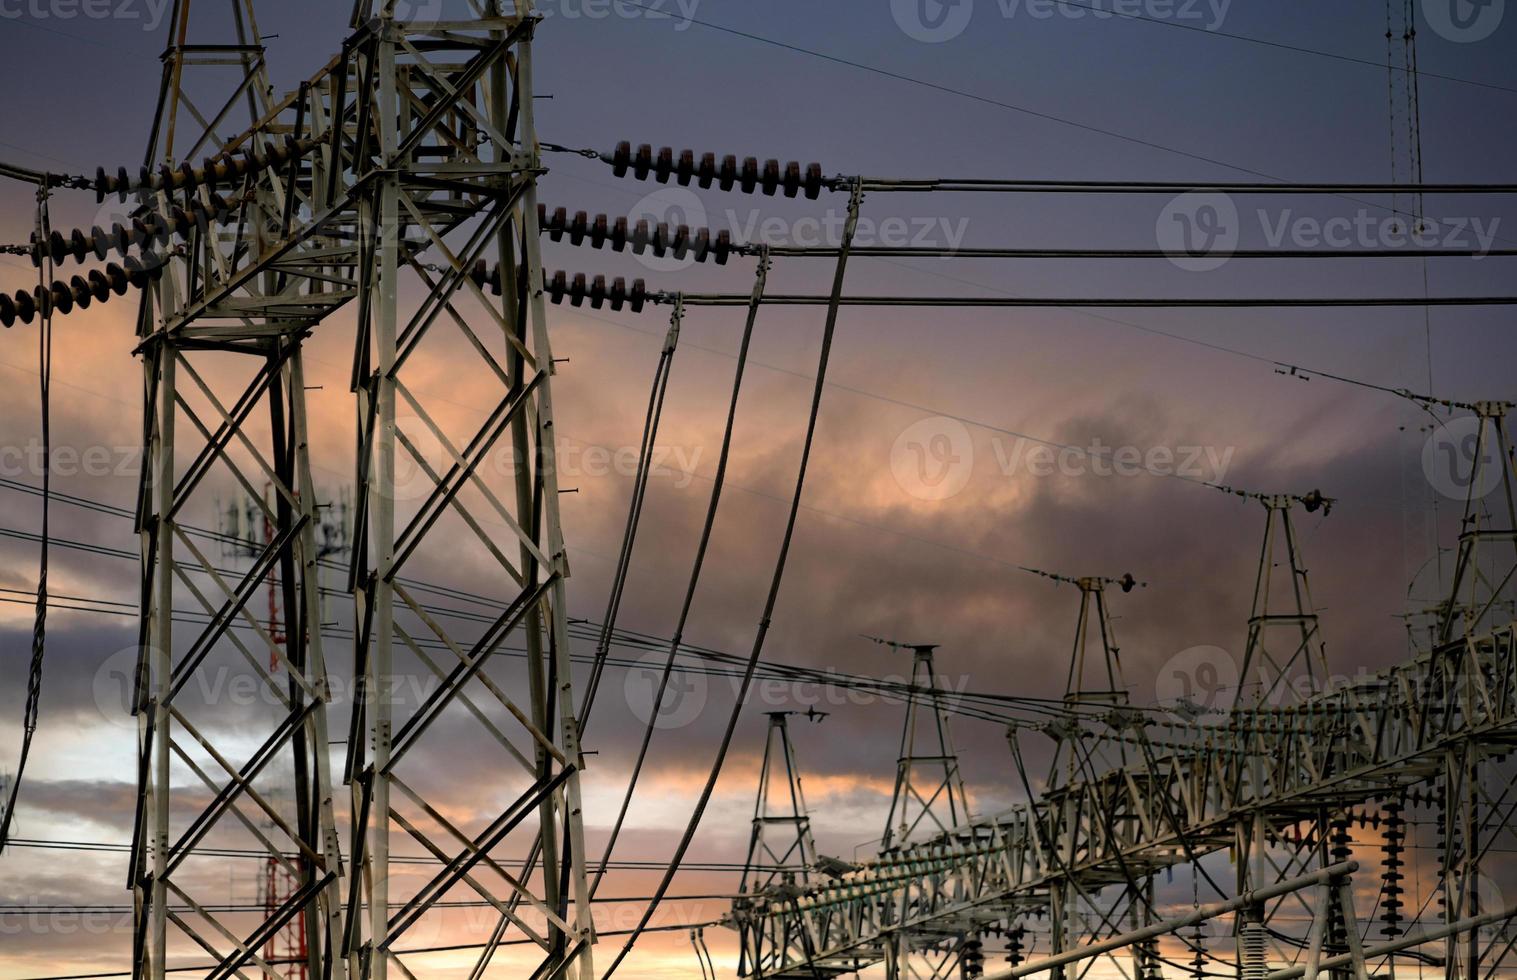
(39, 625)
(961, 93)
(818, 389)
(702, 544)
(634, 512)
(1113, 302)
(1278, 45)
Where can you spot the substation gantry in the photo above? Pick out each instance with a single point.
(398, 184)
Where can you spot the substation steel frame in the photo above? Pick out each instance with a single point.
(1277, 775)
(417, 138)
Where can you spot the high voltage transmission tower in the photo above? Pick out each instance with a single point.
(399, 183)
(415, 137)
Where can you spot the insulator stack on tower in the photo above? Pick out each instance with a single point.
(220, 170)
(1014, 945)
(1395, 835)
(770, 177)
(79, 291)
(579, 289)
(972, 959)
(1149, 967)
(1198, 952)
(1337, 928)
(149, 229)
(661, 239)
(1253, 950)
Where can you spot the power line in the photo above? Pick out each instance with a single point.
(108, 847)
(1278, 45)
(961, 93)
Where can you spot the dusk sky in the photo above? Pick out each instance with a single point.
(1028, 402)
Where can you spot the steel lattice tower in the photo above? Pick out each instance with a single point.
(380, 184)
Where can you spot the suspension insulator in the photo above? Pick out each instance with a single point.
(100, 241)
(82, 292)
(483, 276)
(748, 176)
(1394, 837)
(597, 291)
(1014, 945)
(771, 177)
(116, 278)
(662, 238)
(212, 171)
(139, 272)
(7, 311)
(1198, 958)
(26, 305)
(56, 298)
(100, 287)
(792, 179)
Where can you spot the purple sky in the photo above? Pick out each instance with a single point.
(1018, 95)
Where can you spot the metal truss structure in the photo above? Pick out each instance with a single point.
(415, 142)
(1274, 785)
(1266, 784)
(781, 847)
(781, 850)
(929, 797)
(393, 194)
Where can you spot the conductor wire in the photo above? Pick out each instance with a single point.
(39, 623)
(774, 586)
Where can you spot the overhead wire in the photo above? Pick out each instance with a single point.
(702, 544)
(711, 663)
(1178, 24)
(818, 389)
(651, 422)
(32, 707)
